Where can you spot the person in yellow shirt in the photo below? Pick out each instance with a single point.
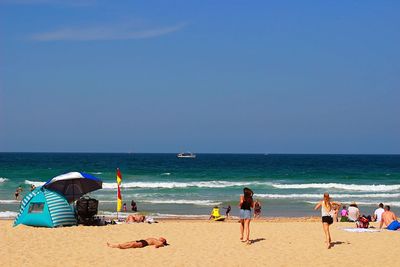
(215, 214)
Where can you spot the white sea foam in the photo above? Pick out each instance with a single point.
(223, 184)
(172, 201)
(35, 183)
(155, 215)
(145, 185)
(97, 172)
(9, 201)
(108, 201)
(8, 214)
(319, 196)
(350, 187)
(202, 184)
(166, 173)
(161, 215)
(183, 201)
(2, 180)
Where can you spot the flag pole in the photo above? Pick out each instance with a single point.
(119, 196)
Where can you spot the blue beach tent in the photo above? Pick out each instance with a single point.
(45, 208)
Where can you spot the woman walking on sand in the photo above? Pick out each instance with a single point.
(326, 213)
(245, 205)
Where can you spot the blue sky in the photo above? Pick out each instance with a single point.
(204, 76)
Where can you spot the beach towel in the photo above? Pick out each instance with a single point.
(150, 220)
(360, 230)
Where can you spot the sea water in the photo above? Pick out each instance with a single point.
(164, 185)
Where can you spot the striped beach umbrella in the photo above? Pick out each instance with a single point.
(73, 185)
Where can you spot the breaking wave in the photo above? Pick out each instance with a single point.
(203, 184)
(171, 201)
(319, 196)
(350, 187)
(9, 201)
(35, 183)
(8, 214)
(184, 201)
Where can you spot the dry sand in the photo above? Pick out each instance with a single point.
(288, 242)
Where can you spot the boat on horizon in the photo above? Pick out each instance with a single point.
(187, 155)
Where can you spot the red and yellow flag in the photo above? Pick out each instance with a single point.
(119, 197)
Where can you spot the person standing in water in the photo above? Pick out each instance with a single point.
(326, 213)
(18, 192)
(133, 206)
(245, 205)
(228, 211)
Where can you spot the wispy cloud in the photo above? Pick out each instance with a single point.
(114, 32)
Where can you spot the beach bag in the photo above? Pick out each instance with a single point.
(362, 222)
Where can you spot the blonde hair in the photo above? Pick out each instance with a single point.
(327, 202)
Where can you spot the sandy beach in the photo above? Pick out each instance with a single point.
(276, 242)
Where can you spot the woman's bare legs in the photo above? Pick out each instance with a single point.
(125, 245)
(247, 229)
(327, 235)
(241, 229)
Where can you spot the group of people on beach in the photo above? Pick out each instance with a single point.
(246, 203)
(329, 213)
(382, 214)
(215, 213)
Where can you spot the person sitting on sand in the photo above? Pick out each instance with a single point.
(335, 212)
(378, 213)
(156, 242)
(390, 220)
(343, 214)
(215, 213)
(135, 218)
(354, 212)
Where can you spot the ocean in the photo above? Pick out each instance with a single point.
(163, 185)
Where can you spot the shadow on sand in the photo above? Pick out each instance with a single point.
(252, 241)
(339, 243)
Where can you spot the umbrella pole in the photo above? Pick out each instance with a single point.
(73, 199)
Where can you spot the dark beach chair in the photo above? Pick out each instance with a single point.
(86, 209)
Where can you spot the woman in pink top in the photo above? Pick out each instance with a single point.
(343, 214)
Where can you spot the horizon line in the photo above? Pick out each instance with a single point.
(216, 153)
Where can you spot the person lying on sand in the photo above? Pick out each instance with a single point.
(157, 243)
(389, 219)
(135, 218)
